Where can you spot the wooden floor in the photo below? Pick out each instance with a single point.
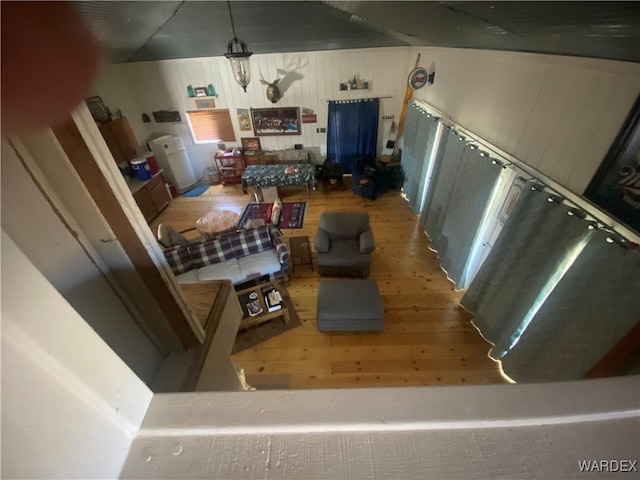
(428, 338)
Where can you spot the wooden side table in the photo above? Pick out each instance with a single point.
(332, 177)
(300, 251)
(256, 294)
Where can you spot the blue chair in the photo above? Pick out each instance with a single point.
(369, 181)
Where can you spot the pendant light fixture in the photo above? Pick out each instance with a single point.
(240, 57)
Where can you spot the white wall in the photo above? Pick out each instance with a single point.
(32, 223)
(149, 86)
(557, 114)
(70, 406)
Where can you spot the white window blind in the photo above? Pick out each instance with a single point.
(211, 126)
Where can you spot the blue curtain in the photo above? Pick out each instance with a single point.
(352, 132)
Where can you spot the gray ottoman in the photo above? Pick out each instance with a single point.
(350, 306)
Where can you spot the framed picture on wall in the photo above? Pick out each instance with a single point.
(276, 121)
(251, 143)
(616, 185)
(205, 103)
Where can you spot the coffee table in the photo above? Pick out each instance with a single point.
(244, 298)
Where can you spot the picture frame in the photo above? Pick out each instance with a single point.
(166, 116)
(276, 121)
(244, 120)
(251, 143)
(200, 91)
(205, 103)
(615, 187)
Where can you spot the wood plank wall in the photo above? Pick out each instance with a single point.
(557, 114)
(313, 78)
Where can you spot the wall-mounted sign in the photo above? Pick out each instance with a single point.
(310, 118)
(616, 185)
(166, 116)
(419, 77)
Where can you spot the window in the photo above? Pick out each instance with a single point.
(208, 126)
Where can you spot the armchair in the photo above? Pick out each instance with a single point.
(368, 180)
(344, 243)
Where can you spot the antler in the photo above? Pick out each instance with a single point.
(262, 80)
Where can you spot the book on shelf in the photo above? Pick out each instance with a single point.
(272, 298)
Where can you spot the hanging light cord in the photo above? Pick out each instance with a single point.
(233, 26)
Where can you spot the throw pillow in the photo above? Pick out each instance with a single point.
(276, 211)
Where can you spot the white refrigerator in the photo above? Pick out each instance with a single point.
(174, 160)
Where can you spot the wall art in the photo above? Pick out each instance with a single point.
(616, 185)
(244, 120)
(276, 121)
(205, 103)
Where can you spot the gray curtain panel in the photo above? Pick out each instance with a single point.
(536, 241)
(424, 181)
(416, 152)
(408, 142)
(462, 214)
(591, 308)
(448, 164)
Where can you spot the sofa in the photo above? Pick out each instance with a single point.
(239, 257)
(344, 242)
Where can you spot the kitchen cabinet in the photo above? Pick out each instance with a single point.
(151, 196)
(120, 139)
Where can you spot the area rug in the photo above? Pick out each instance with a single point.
(252, 336)
(256, 214)
(196, 191)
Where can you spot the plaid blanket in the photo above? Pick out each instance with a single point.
(183, 258)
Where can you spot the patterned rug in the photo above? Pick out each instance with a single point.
(256, 214)
(264, 331)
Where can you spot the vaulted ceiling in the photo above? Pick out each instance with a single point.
(141, 31)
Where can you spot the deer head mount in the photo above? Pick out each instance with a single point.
(273, 92)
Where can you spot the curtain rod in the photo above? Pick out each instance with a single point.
(352, 99)
(511, 161)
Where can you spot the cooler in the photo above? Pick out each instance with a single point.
(141, 169)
